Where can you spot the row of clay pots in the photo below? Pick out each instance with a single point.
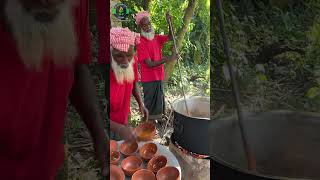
(147, 151)
(165, 173)
(131, 165)
(145, 132)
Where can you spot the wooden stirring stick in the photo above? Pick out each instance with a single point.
(235, 89)
(176, 51)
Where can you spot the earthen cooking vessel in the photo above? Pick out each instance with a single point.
(143, 174)
(168, 173)
(156, 163)
(145, 131)
(114, 157)
(131, 164)
(128, 148)
(116, 173)
(148, 151)
(113, 145)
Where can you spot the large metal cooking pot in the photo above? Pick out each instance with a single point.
(191, 132)
(285, 144)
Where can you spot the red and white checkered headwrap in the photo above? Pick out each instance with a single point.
(141, 15)
(122, 38)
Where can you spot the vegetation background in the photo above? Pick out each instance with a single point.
(274, 45)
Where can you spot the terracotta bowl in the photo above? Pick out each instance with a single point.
(131, 164)
(114, 157)
(156, 163)
(128, 148)
(113, 145)
(116, 173)
(146, 131)
(148, 151)
(143, 174)
(168, 173)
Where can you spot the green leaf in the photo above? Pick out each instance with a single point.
(262, 77)
(313, 92)
(208, 4)
(136, 8)
(315, 33)
(208, 91)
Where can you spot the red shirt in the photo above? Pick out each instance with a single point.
(33, 108)
(120, 95)
(103, 23)
(151, 50)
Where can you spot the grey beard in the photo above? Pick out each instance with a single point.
(35, 40)
(123, 74)
(148, 35)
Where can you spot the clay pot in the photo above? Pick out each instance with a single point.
(116, 173)
(143, 174)
(128, 148)
(113, 145)
(131, 164)
(168, 173)
(156, 163)
(145, 131)
(148, 151)
(114, 157)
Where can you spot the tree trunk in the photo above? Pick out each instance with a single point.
(189, 11)
(146, 5)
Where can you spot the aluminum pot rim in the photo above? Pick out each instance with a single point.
(189, 97)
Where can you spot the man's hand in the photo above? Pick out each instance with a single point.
(127, 133)
(173, 57)
(102, 152)
(145, 112)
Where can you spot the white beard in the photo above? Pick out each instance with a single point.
(148, 35)
(36, 40)
(121, 74)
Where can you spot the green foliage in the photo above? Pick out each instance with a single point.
(195, 51)
(292, 75)
(314, 34)
(197, 38)
(195, 79)
(313, 92)
(313, 56)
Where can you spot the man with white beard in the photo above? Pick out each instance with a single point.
(44, 49)
(152, 65)
(123, 82)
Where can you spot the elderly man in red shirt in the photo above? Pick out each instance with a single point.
(123, 82)
(152, 65)
(44, 46)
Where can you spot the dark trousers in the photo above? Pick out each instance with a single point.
(154, 98)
